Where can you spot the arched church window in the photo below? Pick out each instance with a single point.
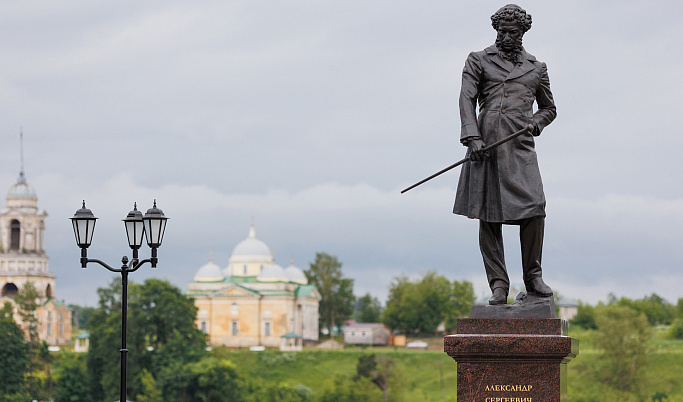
(48, 291)
(15, 234)
(9, 290)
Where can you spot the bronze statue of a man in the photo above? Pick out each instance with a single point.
(503, 186)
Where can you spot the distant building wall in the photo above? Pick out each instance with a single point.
(366, 334)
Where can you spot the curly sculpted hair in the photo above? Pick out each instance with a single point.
(512, 12)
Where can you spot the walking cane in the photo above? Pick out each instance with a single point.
(467, 159)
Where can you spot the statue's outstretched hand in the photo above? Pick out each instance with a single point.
(476, 146)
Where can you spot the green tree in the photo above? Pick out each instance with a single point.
(368, 309)
(27, 299)
(103, 356)
(624, 337)
(383, 372)
(150, 391)
(421, 306)
(214, 379)
(337, 301)
(43, 364)
(434, 301)
(7, 311)
(279, 392)
(162, 338)
(676, 329)
(460, 303)
(657, 310)
(14, 359)
(344, 389)
(80, 315)
(72, 382)
(585, 316)
(391, 378)
(400, 312)
(366, 367)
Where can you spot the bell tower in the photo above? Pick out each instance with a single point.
(23, 260)
(22, 242)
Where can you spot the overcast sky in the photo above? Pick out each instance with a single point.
(311, 116)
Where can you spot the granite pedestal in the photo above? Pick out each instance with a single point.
(511, 359)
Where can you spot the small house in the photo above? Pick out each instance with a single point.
(567, 309)
(82, 344)
(356, 333)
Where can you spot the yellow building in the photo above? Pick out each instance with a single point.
(23, 259)
(253, 301)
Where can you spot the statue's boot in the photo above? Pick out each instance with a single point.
(539, 287)
(500, 296)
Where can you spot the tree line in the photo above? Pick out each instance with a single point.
(169, 360)
(624, 331)
(414, 306)
(168, 357)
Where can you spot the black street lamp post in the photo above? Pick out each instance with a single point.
(151, 226)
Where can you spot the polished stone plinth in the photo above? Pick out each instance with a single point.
(511, 360)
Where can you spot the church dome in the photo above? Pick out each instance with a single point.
(272, 273)
(295, 274)
(21, 190)
(209, 273)
(251, 247)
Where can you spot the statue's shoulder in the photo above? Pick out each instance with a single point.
(483, 55)
(533, 60)
(478, 57)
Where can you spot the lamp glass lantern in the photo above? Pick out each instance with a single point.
(134, 228)
(155, 225)
(84, 226)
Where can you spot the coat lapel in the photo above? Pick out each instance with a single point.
(495, 58)
(524, 68)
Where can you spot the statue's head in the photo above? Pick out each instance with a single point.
(512, 13)
(511, 22)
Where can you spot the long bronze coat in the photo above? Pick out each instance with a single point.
(506, 186)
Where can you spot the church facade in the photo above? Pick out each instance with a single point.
(253, 301)
(23, 259)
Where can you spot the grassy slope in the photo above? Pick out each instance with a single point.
(418, 371)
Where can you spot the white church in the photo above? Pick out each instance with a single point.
(255, 302)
